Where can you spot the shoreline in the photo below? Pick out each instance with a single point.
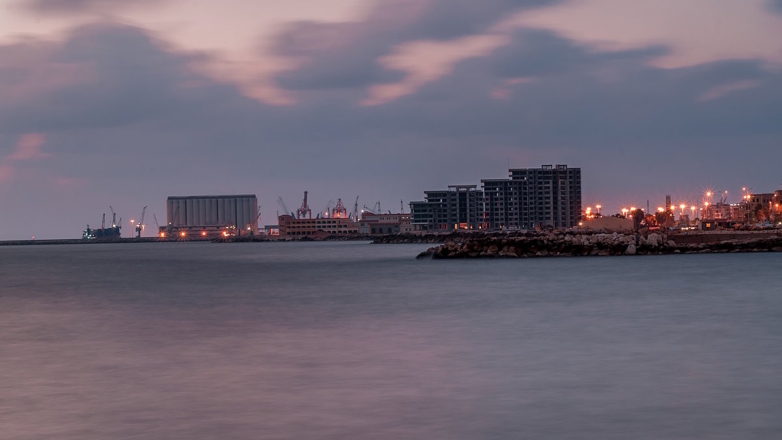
(127, 240)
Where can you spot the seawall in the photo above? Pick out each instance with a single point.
(574, 244)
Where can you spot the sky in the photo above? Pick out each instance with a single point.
(125, 102)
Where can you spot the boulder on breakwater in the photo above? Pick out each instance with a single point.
(580, 244)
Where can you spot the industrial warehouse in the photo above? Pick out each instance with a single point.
(211, 216)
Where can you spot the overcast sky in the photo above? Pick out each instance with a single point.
(126, 102)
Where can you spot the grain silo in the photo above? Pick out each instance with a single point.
(211, 216)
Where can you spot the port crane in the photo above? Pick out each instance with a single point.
(327, 210)
(339, 211)
(285, 209)
(355, 210)
(114, 222)
(140, 225)
(374, 210)
(304, 210)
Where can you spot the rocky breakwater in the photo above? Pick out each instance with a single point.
(573, 244)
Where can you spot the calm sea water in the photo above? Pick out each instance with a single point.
(359, 341)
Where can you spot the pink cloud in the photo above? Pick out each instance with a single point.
(70, 182)
(427, 61)
(6, 173)
(29, 147)
(725, 89)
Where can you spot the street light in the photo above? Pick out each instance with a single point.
(598, 208)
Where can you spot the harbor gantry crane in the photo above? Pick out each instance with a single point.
(355, 210)
(140, 225)
(305, 208)
(285, 210)
(327, 210)
(339, 211)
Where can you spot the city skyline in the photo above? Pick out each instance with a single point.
(127, 103)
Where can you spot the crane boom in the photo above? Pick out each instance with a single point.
(327, 211)
(140, 225)
(283, 206)
(304, 210)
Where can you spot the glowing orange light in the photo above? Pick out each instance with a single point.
(182, 234)
(162, 235)
(203, 234)
(660, 209)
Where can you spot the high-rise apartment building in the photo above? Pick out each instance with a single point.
(458, 207)
(534, 197)
(546, 196)
(529, 198)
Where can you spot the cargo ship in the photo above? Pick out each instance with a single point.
(104, 233)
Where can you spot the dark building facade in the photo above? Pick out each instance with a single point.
(549, 196)
(458, 207)
(546, 196)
